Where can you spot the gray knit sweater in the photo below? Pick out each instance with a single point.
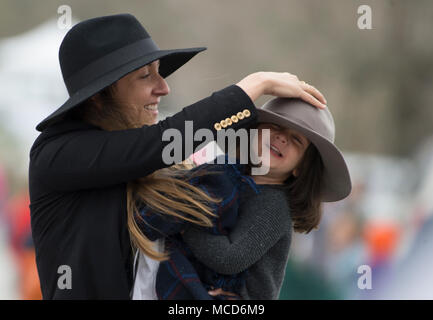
(260, 242)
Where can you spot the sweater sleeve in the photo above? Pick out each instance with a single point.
(262, 222)
(155, 225)
(96, 158)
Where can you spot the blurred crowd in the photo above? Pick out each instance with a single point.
(386, 224)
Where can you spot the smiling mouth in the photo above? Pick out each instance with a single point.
(275, 151)
(152, 107)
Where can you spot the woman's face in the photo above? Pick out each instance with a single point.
(283, 153)
(139, 92)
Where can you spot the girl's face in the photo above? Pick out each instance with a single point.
(284, 152)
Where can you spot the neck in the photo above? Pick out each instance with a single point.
(267, 180)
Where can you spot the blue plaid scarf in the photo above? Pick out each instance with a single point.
(182, 276)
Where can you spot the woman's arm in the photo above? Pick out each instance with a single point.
(281, 84)
(262, 222)
(83, 159)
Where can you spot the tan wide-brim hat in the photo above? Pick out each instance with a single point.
(317, 125)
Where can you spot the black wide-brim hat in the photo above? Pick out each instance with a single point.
(97, 52)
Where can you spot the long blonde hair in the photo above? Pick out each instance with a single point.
(166, 191)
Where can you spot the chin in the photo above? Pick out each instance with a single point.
(149, 122)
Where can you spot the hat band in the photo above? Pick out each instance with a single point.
(293, 118)
(103, 65)
(300, 122)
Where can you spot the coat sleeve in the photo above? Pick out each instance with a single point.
(97, 158)
(255, 232)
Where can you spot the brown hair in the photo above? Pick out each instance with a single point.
(166, 191)
(304, 192)
(105, 113)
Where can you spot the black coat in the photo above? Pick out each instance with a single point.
(77, 179)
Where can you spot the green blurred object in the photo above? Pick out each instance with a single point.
(304, 283)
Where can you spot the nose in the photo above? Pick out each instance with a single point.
(281, 137)
(160, 87)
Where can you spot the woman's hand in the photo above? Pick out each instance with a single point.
(281, 84)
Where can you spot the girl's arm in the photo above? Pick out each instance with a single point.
(155, 225)
(263, 220)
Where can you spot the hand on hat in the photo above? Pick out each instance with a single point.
(281, 84)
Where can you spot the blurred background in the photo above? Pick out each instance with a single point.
(378, 83)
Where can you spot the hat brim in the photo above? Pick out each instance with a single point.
(170, 61)
(337, 184)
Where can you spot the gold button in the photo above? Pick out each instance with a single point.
(234, 119)
(217, 126)
(240, 115)
(223, 123)
(229, 121)
(246, 113)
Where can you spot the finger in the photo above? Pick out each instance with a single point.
(220, 291)
(215, 292)
(313, 91)
(311, 100)
(228, 294)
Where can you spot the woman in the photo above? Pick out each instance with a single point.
(79, 169)
(246, 250)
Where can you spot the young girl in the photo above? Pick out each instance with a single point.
(246, 250)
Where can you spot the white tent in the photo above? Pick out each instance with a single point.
(31, 84)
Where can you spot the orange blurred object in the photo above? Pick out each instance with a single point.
(22, 246)
(381, 238)
(29, 279)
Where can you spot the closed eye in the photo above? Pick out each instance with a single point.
(298, 140)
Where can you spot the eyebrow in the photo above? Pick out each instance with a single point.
(143, 68)
(157, 62)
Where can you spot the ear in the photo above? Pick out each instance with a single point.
(295, 173)
(96, 99)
